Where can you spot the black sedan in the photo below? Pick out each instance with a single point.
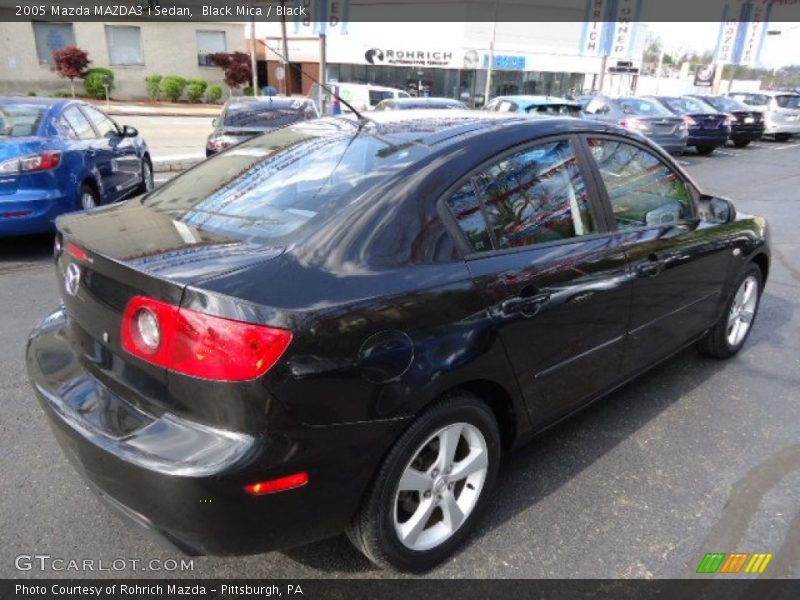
(708, 128)
(747, 125)
(342, 326)
(243, 118)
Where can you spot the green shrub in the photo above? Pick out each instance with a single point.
(153, 83)
(172, 87)
(195, 89)
(93, 82)
(59, 95)
(215, 93)
(31, 93)
(248, 91)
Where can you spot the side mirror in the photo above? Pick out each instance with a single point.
(128, 131)
(215, 122)
(716, 209)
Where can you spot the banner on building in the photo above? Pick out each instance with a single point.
(741, 33)
(610, 28)
(322, 16)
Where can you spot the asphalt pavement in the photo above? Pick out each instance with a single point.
(697, 456)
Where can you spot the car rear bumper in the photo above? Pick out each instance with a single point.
(772, 127)
(747, 132)
(31, 211)
(672, 144)
(184, 481)
(708, 139)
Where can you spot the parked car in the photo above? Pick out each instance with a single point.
(549, 105)
(334, 326)
(708, 129)
(58, 156)
(362, 96)
(420, 104)
(245, 117)
(781, 111)
(640, 115)
(747, 125)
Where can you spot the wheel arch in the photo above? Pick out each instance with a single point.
(761, 260)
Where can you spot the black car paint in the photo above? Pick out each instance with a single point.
(385, 321)
(741, 129)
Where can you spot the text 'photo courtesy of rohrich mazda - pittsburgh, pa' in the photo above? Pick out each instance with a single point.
(282, 281)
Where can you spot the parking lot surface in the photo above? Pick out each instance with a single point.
(697, 456)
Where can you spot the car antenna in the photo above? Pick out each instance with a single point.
(361, 118)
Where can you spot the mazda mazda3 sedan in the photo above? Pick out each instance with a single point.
(341, 325)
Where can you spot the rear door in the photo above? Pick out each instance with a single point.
(551, 276)
(678, 267)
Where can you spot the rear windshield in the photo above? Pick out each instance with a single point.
(753, 99)
(19, 120)
(788, 101)
(685, 105)
(279, 187)
(639, 106)
(265, 115)
(723, 104)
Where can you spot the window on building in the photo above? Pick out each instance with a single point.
(124, 45)
(209, 42)
(536, 196)
(643, 190)
(50, 37)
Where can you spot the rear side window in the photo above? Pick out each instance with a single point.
(643, 191)
(78, 123)
(466, 209)
(535, 196)
(788, 101)
(19, 120)
(266, 115)
(638, 106)
(104, 125)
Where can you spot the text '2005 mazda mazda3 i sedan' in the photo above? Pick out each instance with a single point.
(339, 326)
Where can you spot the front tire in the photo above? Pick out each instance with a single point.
(147, 177)
(431, 487)
(730, 333)
(741, 143)
(705, 150)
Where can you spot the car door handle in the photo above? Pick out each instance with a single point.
(524, 304)
(652, 267)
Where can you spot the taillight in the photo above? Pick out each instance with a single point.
(194, 343)
(75, 252)
(43, 161)
(633, 124)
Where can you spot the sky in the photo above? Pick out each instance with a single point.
(778, 51)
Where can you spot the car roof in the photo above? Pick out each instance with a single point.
(519, 99)
(434, 127)
(35, 100)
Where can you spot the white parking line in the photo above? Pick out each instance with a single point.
(727, 153)
(786, 147)
(684, 163)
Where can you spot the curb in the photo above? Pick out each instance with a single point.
(165, 165)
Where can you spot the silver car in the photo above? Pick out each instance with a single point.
(781, 111)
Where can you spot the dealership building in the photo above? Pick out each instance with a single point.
(452, 59)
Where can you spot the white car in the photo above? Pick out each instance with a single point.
(362, 96)
(781, 111)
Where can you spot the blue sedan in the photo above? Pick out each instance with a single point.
(58, 156)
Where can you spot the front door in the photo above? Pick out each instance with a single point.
(552, 278)
(678, 265)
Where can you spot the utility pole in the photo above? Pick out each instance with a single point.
(285, 59)
(253, 63)
(323, 67)
(488, 88)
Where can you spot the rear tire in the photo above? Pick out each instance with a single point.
(147, 177)
(88, 198)
(741, 143)
(456, 436)
(705, 150)
(730, 333)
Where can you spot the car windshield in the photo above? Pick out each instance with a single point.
(263, 114)
(685, 105)
(724, 104)
(281, 186)
(788, 101)
(20, 120)
(639, 106)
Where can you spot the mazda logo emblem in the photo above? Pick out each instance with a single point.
(72, 279)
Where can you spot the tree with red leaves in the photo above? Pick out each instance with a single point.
(71, 62)
(236, 65)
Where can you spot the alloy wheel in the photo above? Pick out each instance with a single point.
(87, 200)
(440, 486)
(743, 310)
(147, 176)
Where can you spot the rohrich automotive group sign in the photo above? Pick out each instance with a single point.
(409, 57)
